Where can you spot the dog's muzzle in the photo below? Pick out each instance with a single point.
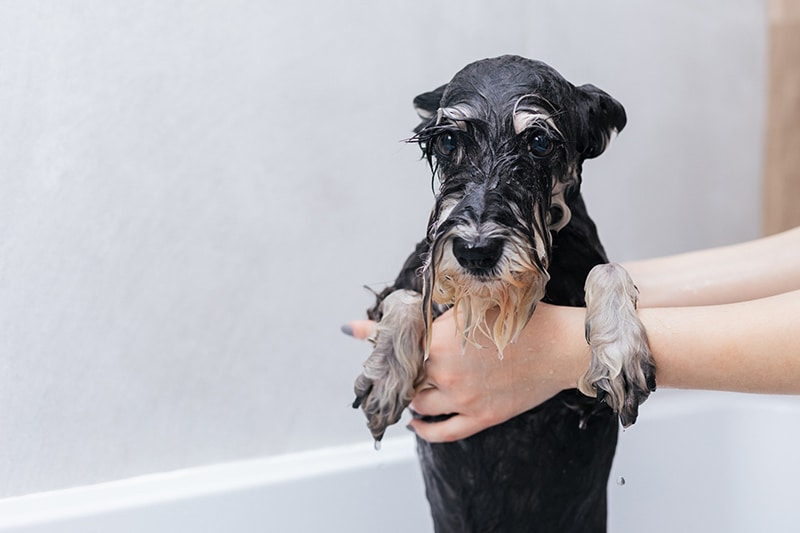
(484, 272)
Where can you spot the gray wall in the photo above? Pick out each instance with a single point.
(194, 193)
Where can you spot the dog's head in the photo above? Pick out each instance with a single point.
(506, 139)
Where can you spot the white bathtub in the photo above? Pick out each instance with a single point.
(709, 462)
(695, 462)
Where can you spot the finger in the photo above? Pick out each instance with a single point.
(455, 428)
(360, 329)
(429, 401)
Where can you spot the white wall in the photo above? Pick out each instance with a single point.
(193, 193)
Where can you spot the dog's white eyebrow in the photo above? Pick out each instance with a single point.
(527, 115)
(457, 114)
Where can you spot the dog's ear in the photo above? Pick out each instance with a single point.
(599, 116)
(426, 106)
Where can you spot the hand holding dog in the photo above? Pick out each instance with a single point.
(749, 346)
(484, 390)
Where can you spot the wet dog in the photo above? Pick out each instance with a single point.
(506, 138)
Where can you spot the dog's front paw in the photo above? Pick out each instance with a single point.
(394, 369)
(622, 370)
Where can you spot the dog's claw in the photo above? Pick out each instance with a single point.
(600, 393)
(360, 397)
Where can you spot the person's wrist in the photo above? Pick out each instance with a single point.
(576, 350)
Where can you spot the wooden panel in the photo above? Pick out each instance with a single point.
(782, 153)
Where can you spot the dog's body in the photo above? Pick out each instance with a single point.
(507, 138)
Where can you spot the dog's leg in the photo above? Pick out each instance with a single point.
(622, 370)
(394, 369)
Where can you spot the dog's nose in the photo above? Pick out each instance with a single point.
(481, 254)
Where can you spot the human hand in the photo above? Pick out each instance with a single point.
(480, 390)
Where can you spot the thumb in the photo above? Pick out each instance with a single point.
(360, 329)
(453, 429)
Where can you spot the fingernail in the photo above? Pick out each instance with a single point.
(411, 429)
(347, 329)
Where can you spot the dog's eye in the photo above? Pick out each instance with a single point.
(446, 144)
(540, 145)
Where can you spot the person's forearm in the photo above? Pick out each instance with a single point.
(744, 347)
(736, 273)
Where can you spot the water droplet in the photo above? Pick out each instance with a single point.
(620, 481)
(377, 445)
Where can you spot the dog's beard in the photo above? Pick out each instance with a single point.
(497, 306)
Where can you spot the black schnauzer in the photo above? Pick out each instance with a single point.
(506, 139)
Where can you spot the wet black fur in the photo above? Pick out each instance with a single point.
(547, 469)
